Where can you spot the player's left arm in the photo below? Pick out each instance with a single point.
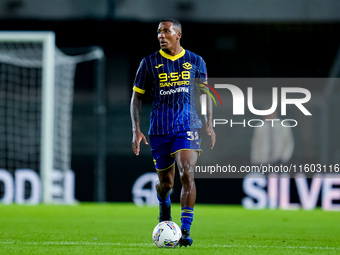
(209, 116)
(209, 121)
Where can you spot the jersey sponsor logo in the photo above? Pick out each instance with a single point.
(158, 66)
(187, 65)
(173, 91)
(176, 83)
(174, 79)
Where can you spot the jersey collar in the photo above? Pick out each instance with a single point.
(173, 58)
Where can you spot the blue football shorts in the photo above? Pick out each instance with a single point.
(164, 147)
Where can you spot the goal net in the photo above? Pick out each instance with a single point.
(36, 93)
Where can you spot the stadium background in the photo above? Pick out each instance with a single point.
(236, 39)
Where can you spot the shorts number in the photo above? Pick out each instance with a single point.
(193, 135)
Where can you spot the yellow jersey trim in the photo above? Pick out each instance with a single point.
(140, 91)
(173, 58)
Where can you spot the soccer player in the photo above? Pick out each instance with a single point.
(174, 124)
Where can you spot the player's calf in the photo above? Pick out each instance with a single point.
(164, 209)
(187, 216)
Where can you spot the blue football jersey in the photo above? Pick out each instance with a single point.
(170, 80)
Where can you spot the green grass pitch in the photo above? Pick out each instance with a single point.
(124, 228)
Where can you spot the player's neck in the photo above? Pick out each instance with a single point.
(174, 51)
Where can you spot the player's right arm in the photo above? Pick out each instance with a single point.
(135, 109)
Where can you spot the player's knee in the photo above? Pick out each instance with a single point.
(186, 175)
(166, 184)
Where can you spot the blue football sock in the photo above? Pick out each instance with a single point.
(187, 217)
(164, 201)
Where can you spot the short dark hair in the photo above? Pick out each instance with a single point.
(175, 22)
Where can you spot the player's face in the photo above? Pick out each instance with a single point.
(168, 36)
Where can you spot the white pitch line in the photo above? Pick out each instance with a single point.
(7, 242)
(276, 247)
(74, 243)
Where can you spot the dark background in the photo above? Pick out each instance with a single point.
(275, 48)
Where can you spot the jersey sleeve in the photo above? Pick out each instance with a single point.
(202, 73)
(141, 78)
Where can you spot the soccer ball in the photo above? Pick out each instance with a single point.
(166, 234)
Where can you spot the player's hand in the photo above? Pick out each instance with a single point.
(138, 136)
(210, 131)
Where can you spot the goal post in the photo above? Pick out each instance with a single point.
(36, 99)
(47, 39)
(47, 117)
